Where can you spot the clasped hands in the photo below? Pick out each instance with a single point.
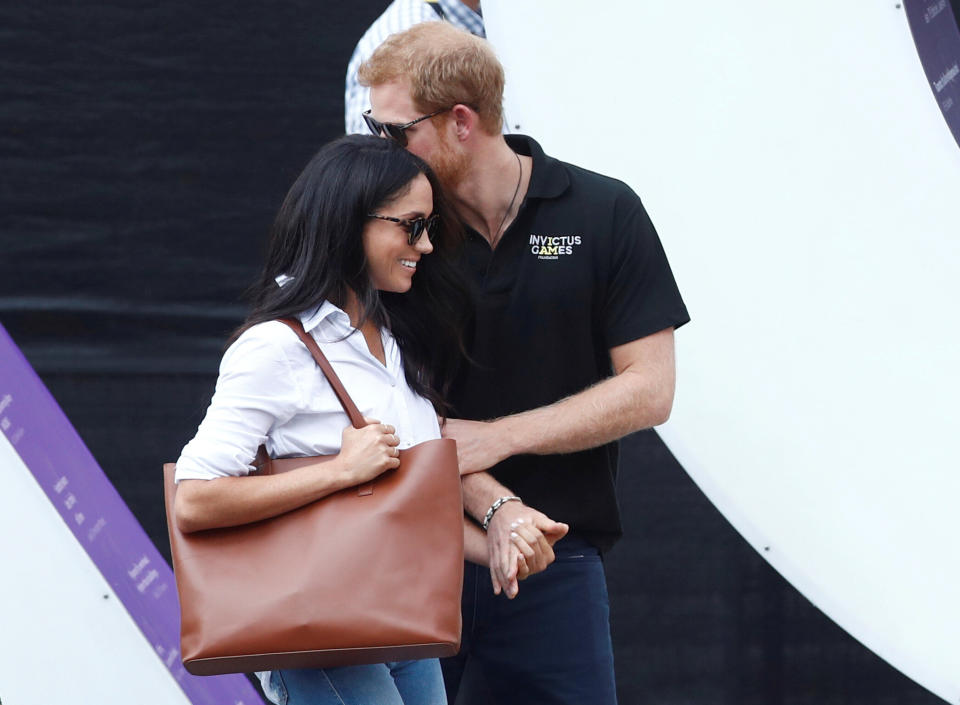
(520, 543)
(519, 538)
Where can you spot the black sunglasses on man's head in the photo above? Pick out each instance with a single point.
(417, 226)
(393, 130)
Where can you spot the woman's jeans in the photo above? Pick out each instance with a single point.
(395, 683)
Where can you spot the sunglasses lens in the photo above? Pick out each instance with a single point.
(374, 125)
(395, 132)
(421, 225)
(416, 230)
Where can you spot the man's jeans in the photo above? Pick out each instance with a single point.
(550, 644)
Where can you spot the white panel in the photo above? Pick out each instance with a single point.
(64, 635)
(805, 186)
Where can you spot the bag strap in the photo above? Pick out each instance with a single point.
(356, 418)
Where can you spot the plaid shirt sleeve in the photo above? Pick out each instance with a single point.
(399, 15)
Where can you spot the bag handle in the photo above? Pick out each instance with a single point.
(356, 418)
(263, 463)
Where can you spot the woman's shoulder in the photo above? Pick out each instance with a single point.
(268, 332)
(263, 343)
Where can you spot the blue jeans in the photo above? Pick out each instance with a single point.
(396, 683)
(548, 646)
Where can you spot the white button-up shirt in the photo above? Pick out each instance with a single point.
(270, 390)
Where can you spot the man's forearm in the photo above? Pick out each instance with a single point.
(639, 395)
(600, 414)
(480, 491)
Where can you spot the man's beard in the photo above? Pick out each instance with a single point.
(448, 164)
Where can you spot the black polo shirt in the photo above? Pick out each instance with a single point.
(579, 271)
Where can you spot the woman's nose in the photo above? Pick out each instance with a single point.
(423, 245)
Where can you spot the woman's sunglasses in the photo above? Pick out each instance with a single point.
(393, 130)
(417, 226)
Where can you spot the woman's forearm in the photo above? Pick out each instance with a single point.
(474, 542)
(232, 501)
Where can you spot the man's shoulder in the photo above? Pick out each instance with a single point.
(594, 179)
(597, 188)
(581, 180)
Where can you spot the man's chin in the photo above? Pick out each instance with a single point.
(450, 167)
(449, 178)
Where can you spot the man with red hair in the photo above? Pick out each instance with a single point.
(572, 349)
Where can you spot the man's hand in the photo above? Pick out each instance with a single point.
(534, 547)
(519, 542)
(478, 446)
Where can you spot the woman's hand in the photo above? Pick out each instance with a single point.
(367, 452)
(534, 547)
(231, 501)
(520, 542)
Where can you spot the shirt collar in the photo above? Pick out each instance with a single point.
(312, 318)
(549, 179)
(463, 16)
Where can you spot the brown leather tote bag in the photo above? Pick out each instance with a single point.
(366, 575)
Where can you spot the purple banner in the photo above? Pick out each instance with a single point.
(937, 36)
(100, 520)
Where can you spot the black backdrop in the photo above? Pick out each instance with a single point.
(144, 149)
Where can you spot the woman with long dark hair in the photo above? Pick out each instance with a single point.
(360, 254)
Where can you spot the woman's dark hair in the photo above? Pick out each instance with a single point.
(317, 240)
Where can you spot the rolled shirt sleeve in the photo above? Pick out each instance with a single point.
(256, 390)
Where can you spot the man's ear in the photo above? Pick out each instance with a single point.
(465, 120)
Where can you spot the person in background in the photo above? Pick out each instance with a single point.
(572, 348)
(401, 15)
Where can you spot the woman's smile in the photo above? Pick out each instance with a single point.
(391, 259)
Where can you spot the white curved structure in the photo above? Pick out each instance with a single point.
(806, 189)
(66, 635)
(88, 606)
